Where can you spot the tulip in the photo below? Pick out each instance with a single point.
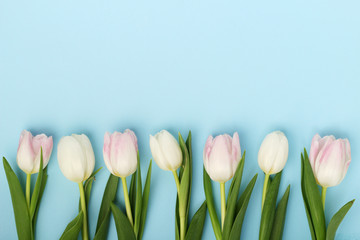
(166, 151)
(168, 156)
(273, 153)
(120, 153)
(77, 161)
(272, 156)
(76, 157)
(29, 155)
(329, 159)
(29, 151)
(222, 155)
(120, 156)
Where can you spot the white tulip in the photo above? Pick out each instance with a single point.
(76, 157)
(166, 151)
(273, 153)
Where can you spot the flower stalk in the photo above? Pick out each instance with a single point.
(85, 233)
(28, 186)
(223, 204)
(266, 181)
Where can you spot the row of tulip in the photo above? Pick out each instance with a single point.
(326, 165)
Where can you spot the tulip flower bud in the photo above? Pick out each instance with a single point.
(273, 153)
(76, 157)
(329, 159)
(166, 151)
(120, 153)
(29, 151)
(222, 156)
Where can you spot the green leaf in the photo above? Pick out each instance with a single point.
(88, 185)
(268, 212)
(185, 180)
(189, 147)
(94, 173)
(241, 207)
(72, 230)
(197, 224)
(234, 180)
(43, 184)
(87, 188)
(123, 226)
(185, 172)
(231, 201)
(101, 233)
(248, 189)
(211, 205)
(306, 204)
(108, 198)
(138, 202)
(313, 199)
(336, 220)
(36, 192)
(279, 221)
(177, 219)
(132, 193)
(145, 200)
(22, 217)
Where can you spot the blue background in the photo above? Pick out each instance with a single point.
(210, 66)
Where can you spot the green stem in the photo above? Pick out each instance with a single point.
(266, 181)
(223, 204)
(28, 184)
(182, 228)
(127, 201)
(177, 182)
(85, 233)
(182, 218)
(323, 196)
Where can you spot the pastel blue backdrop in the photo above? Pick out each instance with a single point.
(210, 66)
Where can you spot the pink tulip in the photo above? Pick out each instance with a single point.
(329, 159)
(120, 152)
(222, 156)
(28, 154)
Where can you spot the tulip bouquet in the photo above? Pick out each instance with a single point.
(272, 158)
(223, 161)
(32, 157)
(171, 156)
(121, 157)
(77, 161)
(327, 166)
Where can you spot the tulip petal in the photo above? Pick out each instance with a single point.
(47, 144)
(126, 156)
(170, 149)
(267, 153)
(314, 150)
(220, 161)
(207, 150)
(236, 151)
(71, 159)
(331, 171)
(157, 154)
(25, 154)
(89, 156)
(133, 137)
(106, 151)
(281, 156)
